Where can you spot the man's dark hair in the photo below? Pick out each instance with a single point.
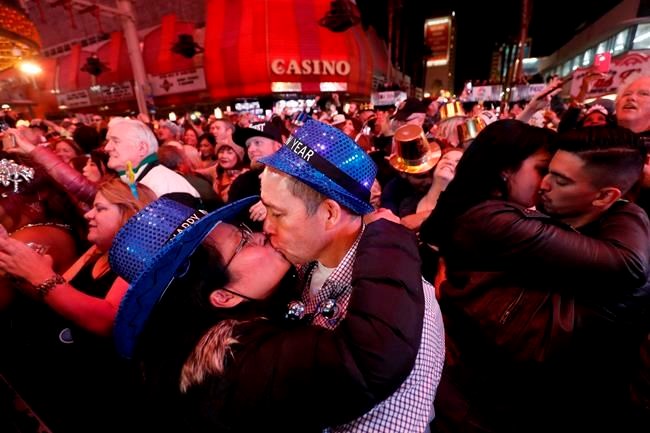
(613, 156)
(86, 137)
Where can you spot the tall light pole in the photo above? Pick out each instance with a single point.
(141, 85)
(516, 69)
(523, 36)
(126, 14)
(389, 48)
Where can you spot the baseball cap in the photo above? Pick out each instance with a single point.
(264, 129)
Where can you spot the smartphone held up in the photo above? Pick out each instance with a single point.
(602, 62)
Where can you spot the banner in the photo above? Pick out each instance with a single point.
(526, 92)
(620, 69)
(485, 93)
(493, 93)
(178, 82)
(391, 97)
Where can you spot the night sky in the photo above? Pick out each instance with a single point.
(483, 24)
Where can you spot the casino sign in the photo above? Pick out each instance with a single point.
(253, 49)
(306, 67)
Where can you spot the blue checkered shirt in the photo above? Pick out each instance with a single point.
(410, 408)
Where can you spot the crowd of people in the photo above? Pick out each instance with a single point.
(425, 266)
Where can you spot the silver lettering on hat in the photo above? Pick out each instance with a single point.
(299, 148)
(187, 223)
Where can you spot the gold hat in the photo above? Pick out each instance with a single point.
(412, 152)
(469, 129)
(451, 109)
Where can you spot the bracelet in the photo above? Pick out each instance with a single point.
(44, 289)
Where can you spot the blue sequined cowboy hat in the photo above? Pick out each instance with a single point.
(150, 250)
(330, 162)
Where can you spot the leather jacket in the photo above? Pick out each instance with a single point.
(543, 322)
(69, 179)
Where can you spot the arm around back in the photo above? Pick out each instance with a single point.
(312, 377)
(505, 236)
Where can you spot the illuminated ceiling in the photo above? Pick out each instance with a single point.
(18, 35)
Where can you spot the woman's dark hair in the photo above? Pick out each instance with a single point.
(100, 159)
(242, 163)
(187, 127)
(500, 147)
(610, 120)
(79, 162)
(206, 272)
(213, 142)
(179, 320)
(73, 144)
(209, 137)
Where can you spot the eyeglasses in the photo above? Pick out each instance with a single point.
(248, 298)
(246, 237)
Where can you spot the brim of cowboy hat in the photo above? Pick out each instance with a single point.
(427, 163)
(158, 273)
(288, 162)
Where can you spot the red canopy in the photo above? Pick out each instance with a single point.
(250, 45)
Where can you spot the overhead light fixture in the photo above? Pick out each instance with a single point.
(19, 37)
(341, 16)
(186, 46)
(29, 67)
(94, 66)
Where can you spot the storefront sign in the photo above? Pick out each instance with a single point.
(436, 37)
(310, 67)
(75, 99)
(97, 95)
(178, 82)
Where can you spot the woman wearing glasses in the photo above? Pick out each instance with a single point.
(245, 365)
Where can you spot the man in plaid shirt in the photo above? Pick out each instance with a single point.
(316, 189)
